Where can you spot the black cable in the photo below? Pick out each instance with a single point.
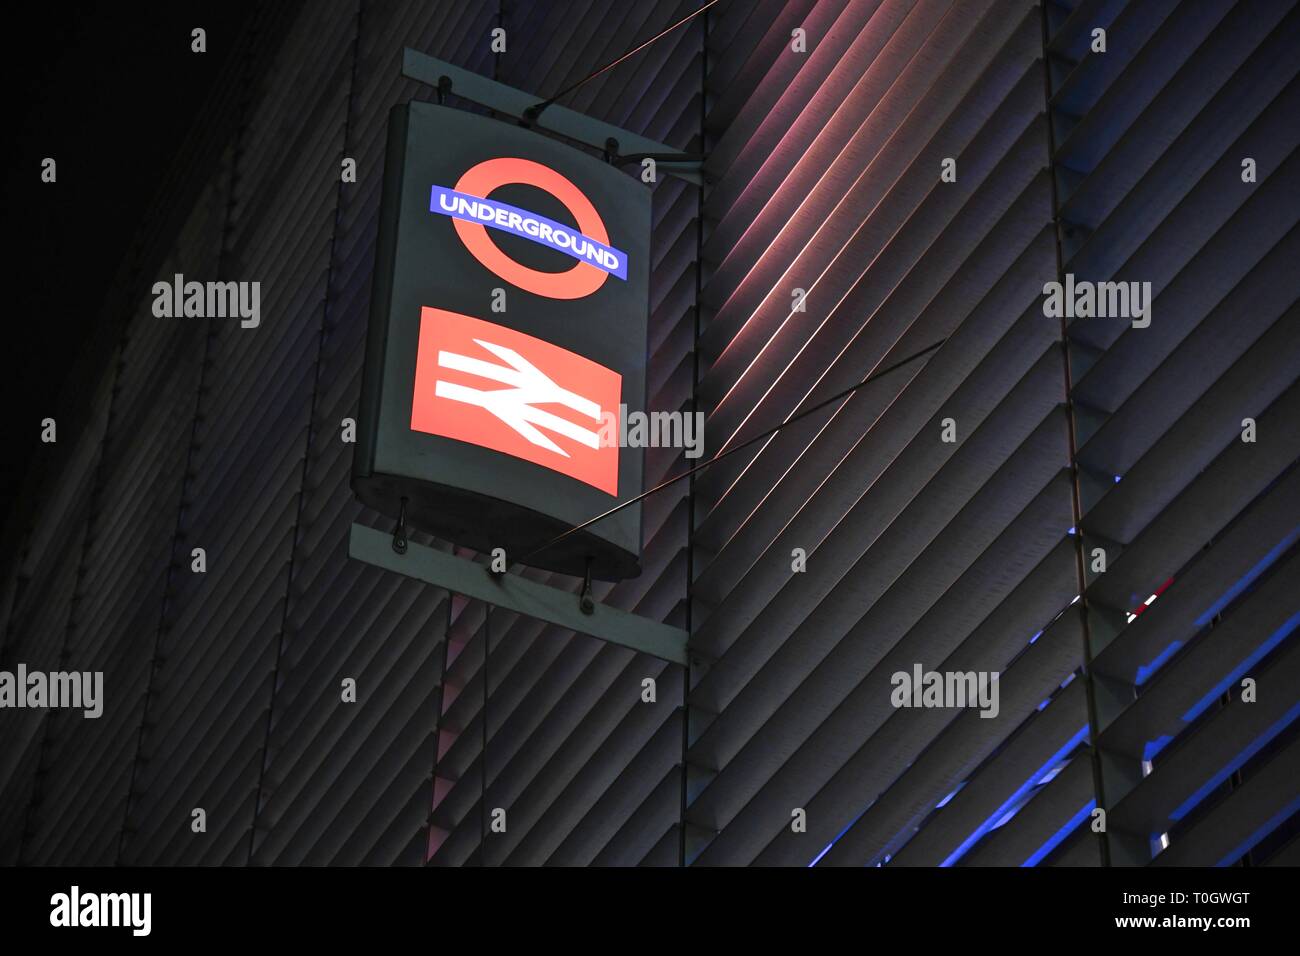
(484, 826)
(536, 109)
(1071, 436)
(723, 454)
(689, 670)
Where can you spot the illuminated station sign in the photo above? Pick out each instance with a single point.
(508, 324)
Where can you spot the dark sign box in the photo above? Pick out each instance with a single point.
(471, 495)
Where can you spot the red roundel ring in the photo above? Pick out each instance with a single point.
(583, 279)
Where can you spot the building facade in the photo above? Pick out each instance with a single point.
(1100, 509)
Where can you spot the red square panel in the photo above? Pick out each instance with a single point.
(491, 386)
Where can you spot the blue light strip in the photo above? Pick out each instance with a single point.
(1145, 671)
(1274, 639)
(1249, 577)
(1154, 747)
(1245, 846)
(828, 846)
(945, 801)
(1024, 788)
(1255, 747)
(1061, 834)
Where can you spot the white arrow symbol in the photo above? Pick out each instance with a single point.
(529, 386)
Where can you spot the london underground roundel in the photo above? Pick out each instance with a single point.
(473, 211)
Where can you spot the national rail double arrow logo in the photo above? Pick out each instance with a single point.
(491, 386)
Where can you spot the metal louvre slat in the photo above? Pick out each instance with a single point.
(750, 208)
(1163, 708)
(648, 834)
(1088, 75)
(324, 819)
(1288, 855)
(787, 102)
(36, 635)
(96, 762)
(123, 578)
(978, 333)
(663, 853)
(835, 720)
(1187, 217)
(786, 662)
(997, 760)
(228, 377)
(1188, 448)
(874, 517)
(1082, 849)
(757, 70)
(1261, 223)
(1183, 777)
(1222, 123)
(1212, 355)
(1236, 550)
(1142, 74)
(610, 735)
(832, 193)
(852, 651)
(22, 751)
(1059, 805)
(331, 633)
(598, 39)
(912, 316)
(1151, 145)
(609, 825)
(1262, 802)
(1240, 473)
(169, 208)
(327, 730)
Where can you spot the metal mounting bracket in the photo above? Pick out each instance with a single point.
(519, 594)
(561, 120)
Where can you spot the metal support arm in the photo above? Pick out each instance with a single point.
(555, 119)
(519, 595)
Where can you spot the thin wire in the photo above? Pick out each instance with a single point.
(483, 807)
(688, 669)
(437, 728)
(1076, 498)
(723, 454)
(536, 109)
(487, 607)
